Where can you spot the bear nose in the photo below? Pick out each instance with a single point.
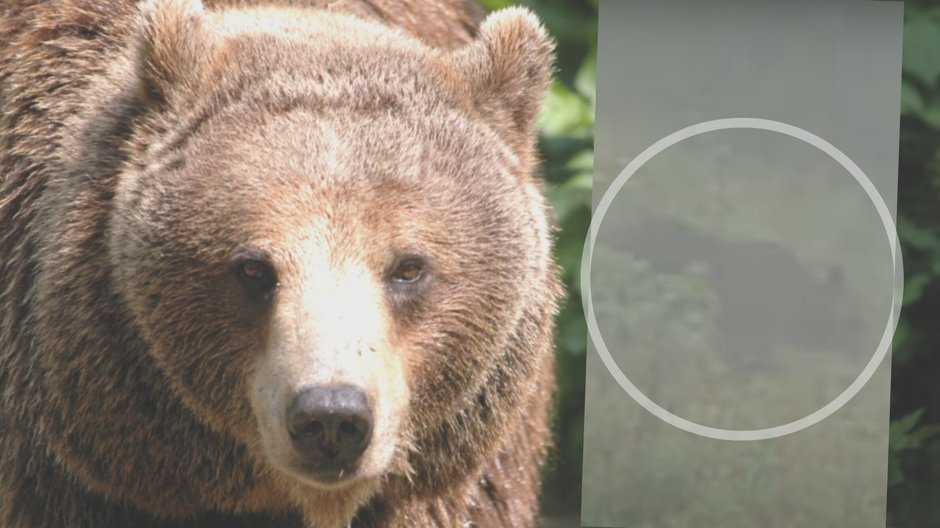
(330, 424)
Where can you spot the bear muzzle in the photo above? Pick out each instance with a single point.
(330, 427)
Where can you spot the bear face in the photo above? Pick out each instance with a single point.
(320, 205)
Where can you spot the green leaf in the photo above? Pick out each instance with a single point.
(917, 237)
(895, 475)
(925, 433)
(585, 81)
(571, 196)
(911, 101)
(565, 113)
(914, 288)
(569, 247)
(900, 352)
(583, 161)
(573, 335)
(568, 255)
(899, 429)
(931, 114)
(922, 49)
(575, 192)
(493, 5)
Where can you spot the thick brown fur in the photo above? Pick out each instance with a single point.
(140, 145)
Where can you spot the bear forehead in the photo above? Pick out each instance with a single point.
(291, 51)
(389, 175)
(352, 74)
(391, 145)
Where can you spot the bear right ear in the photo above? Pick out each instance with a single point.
(172, 41)
(505, 73)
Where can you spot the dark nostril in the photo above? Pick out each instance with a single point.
(330, 423)
(349, 429)
(313, 428)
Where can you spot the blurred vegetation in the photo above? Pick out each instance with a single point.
(567, 139)
(914, 464)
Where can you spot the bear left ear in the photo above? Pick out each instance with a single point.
(506, 72)
(172, 42)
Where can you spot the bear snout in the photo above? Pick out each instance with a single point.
(330, 428)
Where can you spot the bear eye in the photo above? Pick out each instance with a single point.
(254, 273)
(408, 271)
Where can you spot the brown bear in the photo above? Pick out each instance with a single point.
(280, 264)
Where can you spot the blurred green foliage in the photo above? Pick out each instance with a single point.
(914, 463)
(567, 142)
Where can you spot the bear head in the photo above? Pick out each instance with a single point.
(330, 236)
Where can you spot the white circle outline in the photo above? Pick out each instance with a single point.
(742, 434)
